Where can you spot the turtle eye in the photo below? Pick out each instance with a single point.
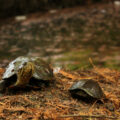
(12, 70)
(24, 63)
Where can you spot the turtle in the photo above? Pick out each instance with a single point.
(24, 70)
(87, 88)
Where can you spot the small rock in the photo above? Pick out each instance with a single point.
(56, 70)
(103, 11)
(20, 18)
(53, 11)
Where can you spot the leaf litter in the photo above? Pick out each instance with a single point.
(55, 102)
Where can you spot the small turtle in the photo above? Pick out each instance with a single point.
(21, 70)
(87, 88)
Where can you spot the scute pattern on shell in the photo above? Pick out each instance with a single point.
(42, 69)
(14, 66)
(90, 87)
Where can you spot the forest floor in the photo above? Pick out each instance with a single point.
(56, 103)
(66, 38)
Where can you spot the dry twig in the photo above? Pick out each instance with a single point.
(88, 116)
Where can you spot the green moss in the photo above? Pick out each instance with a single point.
(75, 55)
(113, 64)
(75, 59)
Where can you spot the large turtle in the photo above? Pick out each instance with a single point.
(87, 88)
(20, 71)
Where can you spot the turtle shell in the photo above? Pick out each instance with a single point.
(14, 66)
(87, 88)
(42, 70)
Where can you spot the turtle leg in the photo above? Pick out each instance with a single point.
(24, 74)
(18, 82)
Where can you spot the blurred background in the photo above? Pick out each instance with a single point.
(66, 33)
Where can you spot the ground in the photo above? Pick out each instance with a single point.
(55, 102)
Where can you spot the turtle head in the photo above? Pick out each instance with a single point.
(24, 74)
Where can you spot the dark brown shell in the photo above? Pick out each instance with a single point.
(87, 88)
